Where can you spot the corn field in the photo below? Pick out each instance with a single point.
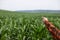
(26, 27)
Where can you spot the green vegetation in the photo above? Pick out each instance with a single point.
(26, 26)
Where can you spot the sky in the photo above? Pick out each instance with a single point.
(30, 5)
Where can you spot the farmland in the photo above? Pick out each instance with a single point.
(26, 26)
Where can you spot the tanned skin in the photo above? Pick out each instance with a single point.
(52, 29)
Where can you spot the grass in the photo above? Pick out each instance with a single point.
(26, 26)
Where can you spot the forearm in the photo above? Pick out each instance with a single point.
(50, 27)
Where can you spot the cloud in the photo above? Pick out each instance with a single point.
(30, 4)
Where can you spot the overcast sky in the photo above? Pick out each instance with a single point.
(30, 4)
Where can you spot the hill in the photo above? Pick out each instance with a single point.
(49, 11)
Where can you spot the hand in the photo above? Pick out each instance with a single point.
(44, 19)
